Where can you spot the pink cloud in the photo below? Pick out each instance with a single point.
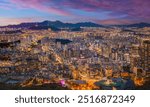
(40, 5)
(121, 10)
(128, 8)
(6, 5)
(137, 8)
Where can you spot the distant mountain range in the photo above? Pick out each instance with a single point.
(54, 25)
(137, 25)
(58, 25)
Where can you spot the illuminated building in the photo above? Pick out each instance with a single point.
(145, 55)
(134, 57)
(108, 72)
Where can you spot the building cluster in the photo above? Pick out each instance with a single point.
(93, 53)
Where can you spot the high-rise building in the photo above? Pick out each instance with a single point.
(134, 57)
(144, 53)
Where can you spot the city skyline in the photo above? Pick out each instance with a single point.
(99, 11)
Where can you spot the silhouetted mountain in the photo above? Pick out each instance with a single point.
(22, 25)
(55, 25)
(88, 24)
(137, 25)
(60, 24)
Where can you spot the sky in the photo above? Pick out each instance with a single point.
(106, 12)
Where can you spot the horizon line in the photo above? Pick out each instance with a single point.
(73, 23)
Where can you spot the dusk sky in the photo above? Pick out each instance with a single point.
(98, 11)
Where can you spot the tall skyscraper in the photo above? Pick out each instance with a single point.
(134, 57)
(144, 53)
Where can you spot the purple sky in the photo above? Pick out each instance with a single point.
(99, 11)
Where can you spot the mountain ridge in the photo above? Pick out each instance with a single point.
(58, 25)
(137, 25)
